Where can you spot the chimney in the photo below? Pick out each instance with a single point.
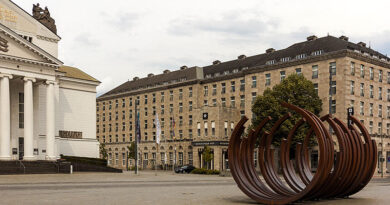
(150, 75)
(241, 57)
(166, 71)
(345, 38)
(216, 62)
(362, 44)
(312, 38)
(135, 78)
(270, 50)
(183, 67)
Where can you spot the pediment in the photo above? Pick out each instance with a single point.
(11, 47)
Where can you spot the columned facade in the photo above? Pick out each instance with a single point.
(5, 116)
(26, 110)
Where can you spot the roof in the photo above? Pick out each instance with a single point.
(325, 44)
(72, 72)
(156, 80)
(296, 52)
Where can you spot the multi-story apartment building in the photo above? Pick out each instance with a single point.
(200, 105)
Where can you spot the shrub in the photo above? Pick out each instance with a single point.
(205, 171)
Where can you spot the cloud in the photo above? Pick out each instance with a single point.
(124, 21)
(86, 40)
(235, 23)
(106, 85)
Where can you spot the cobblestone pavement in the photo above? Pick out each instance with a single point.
(147, 188)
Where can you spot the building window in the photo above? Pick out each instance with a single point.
(212, 128)
(215, 102)
(171, 95)
(314, 69)
(190, 120)
(154, 98)
(190, 92)
(282, 75)
(333, 88)
(223, 102)
(109, 105)
(332, 68)
(388, 77)
(242, 101)
(362, 89)
(131, 102)
(316, 87)
(104, 106)
(198, 126)
(146, 111)
(226, 128)
(162, 96)
(162, 109)
(371, 109)
(214, 89)
(380, 75)
(180, 158)
(190, 158)
(362, 71)
(388, 112)
(116, 138)
(254, 95)
(254, 81)
(162, 123)
(380, 111)
(146, 99)
(206, 90)
(361, 108)
(180, 120)
(146, 124)
(223, 90)
(190, 106)
(298, 71)
(180, 107)
(371, 73)
(380, 93)
(333, 107)
(181, 134)
(371, 91)
(170, 108)
(123, 126)
(206, 103)
(267, 79)
(242, 85)
(116, 158)
(371, 127)
(116, 103)
(352, 68)
(233, 86)
(21, 110)
(180, 94)
(352, 87)
(123, 102)
(232, 101)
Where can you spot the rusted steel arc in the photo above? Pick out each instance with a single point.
(332, 177)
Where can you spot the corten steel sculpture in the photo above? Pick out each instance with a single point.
(339, 173)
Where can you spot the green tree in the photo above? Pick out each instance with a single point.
(207, 156)
(296, 90)
(132, 151)
(103, 151)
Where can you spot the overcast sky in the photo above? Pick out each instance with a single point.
(116, 40)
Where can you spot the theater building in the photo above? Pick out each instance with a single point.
(345, 74)
(46, 108)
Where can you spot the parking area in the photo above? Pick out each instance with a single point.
(147, 188)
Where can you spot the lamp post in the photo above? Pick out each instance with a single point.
(382, 159)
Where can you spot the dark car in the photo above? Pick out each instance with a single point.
(185, 169)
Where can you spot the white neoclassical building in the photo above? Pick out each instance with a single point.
(46, 108)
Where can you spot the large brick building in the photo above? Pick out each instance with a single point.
(344, 73)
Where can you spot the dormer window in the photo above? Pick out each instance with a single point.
(270, 62)
(244, 68)
(235, 71)
(317, 53)
(226, 72)
(217, 74)
(300, 56)
(208, 76)
(285, 59)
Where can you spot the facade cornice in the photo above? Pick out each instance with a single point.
(48, 39)
(30, 61)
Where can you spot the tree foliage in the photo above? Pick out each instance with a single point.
(296, 90)
(132, 150)
(207, 156)
(103, 151)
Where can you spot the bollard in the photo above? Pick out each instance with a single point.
(71, 169)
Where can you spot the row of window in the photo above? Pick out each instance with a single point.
(371, 91)
(371, 72)
(180, 159)
(371, 109)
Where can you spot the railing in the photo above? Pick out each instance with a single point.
(22, 165)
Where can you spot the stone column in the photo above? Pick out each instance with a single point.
(5, 118)
(28, 119)
(50, 121)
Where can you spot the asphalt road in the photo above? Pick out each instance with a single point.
(147, 188)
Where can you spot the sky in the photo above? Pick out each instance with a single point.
(115, 41)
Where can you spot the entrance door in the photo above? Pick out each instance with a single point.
(21, 148)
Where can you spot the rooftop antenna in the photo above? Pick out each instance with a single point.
(328, 33)
(369, 44)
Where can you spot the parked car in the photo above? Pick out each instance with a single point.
(184, 169)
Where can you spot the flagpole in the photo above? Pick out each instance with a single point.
(136, 138)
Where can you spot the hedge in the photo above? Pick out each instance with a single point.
(205, 171)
